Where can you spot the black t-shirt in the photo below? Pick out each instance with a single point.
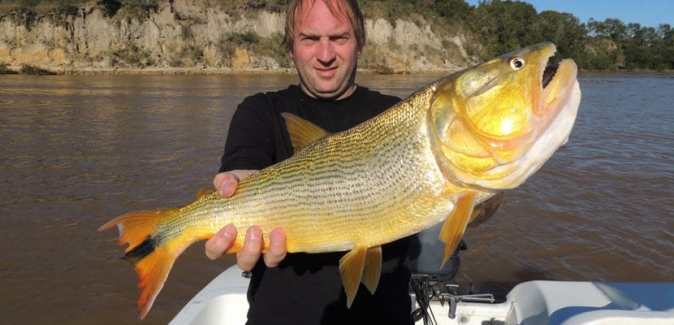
(307, 288)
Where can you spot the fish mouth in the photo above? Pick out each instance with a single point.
(556, 83)
(549, 74)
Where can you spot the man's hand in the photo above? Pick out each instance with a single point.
(226, 184)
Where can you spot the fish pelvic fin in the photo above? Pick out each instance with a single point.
(361, 264)
(301, 131)
(455, 225)
(152, 261)
(372, 270)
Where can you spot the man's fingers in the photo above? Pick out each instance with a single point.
(226, 183)
(252, 249)
(277, 248)
(246, 259)
(217, 245)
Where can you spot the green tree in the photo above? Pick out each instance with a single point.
(504, 26)
(566, 31)
(453, 9)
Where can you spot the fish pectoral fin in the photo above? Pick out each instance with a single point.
(360, 264)
(205, 192)
(485, 210)
(372, 270)
(301, 131)
(455, 225)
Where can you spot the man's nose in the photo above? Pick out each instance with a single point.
(326, 52)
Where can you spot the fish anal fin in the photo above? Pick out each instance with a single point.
(301, 131)
(351, 267)
(372, 270)
(204, 192)
(455, 225)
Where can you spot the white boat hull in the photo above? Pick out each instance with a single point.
(223, 301)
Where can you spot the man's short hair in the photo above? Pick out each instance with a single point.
(349, 8)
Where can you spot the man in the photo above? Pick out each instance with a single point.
(324, 39)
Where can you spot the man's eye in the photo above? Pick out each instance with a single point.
(340, 40)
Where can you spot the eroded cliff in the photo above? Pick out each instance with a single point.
(203, 37)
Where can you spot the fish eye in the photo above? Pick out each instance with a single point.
(517, 63)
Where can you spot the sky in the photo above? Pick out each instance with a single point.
(648, 13)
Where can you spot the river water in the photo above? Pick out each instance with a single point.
(76, 151)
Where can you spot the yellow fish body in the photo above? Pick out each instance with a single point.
(431, 158)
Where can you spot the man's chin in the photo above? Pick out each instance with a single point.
(333, 94)
(325, 91)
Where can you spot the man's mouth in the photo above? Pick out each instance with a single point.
(326, 72)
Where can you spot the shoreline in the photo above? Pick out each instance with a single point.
(45, 70)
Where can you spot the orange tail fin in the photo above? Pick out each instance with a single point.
(151, 261)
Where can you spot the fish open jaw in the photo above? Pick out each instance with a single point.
(549, 74)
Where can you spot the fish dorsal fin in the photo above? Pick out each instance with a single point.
(360, 264)
(302, 132)
(455, 225)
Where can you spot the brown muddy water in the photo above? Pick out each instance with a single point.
(76, 151)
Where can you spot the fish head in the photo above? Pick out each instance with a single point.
(496, 123)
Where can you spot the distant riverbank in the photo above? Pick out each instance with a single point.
(36, 70)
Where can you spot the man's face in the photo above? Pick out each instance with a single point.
(325, 52)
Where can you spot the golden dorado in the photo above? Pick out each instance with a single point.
(430, 158)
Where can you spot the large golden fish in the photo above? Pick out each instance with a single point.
(431, 158)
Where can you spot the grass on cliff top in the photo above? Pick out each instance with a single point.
(8, 5)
